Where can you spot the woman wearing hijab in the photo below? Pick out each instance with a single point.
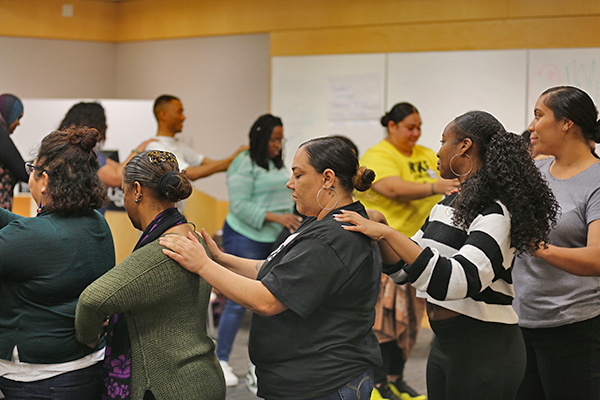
(12, 166)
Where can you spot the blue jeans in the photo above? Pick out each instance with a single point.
(75, 385)
(357, 389)
(231, 317)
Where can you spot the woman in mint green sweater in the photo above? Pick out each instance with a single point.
(157, 345)
(260, 206)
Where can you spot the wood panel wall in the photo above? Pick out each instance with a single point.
(302, 27)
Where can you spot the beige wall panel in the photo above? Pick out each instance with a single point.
(508, 34)
(125, 236)
(47, 68)
(201, 209)
(222, 81)
(92, 20)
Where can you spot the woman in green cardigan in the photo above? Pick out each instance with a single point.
(45, 264)
(163, 350)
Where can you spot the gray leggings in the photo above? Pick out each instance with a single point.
(473, 360)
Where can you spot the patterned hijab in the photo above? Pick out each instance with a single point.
(10, 110)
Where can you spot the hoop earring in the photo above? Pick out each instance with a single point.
(470, 169)
(337, 198)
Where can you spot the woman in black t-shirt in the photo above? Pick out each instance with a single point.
(314, 296)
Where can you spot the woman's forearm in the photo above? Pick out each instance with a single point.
(249, 293)
(241, 266)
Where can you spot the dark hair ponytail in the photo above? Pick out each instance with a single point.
(509, 175)
(398, 113)
(158, 173)
(335, 154)
(573, 104)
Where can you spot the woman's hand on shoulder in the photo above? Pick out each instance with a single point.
(376, 216)
(189, 252)
(446, 186)
(372, 229)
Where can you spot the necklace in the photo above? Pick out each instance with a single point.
(452, 202)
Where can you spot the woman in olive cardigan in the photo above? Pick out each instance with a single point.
(164, 306)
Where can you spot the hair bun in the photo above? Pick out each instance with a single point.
(363, 178)
(83, 136)
(174, 186)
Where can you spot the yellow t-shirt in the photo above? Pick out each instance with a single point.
(406, 216)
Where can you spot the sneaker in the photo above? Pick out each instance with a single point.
(230, 378)
(375, 395)
(401, 389)
(251, 379)
(386, 392)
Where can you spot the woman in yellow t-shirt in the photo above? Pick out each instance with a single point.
(406, 188)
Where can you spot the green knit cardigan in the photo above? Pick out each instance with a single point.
(165, 307)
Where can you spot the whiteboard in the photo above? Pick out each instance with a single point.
(329, 95)
(444, 85)
(130, 122)
(558, 67)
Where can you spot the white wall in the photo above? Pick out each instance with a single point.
(222, 81)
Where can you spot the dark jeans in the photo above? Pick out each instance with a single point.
(357, 389)
(562, 362)
(76, 385)
(232, 314)
(474, 360)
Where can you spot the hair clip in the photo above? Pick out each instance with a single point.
(158, 156)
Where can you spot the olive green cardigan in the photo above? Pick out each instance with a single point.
(165, 308)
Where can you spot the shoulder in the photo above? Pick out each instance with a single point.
(242, 160)
(332, 234)
(383, 147)
(494, 217)
(241, 165)
(424, 151)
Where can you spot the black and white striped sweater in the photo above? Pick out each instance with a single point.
(465, 271)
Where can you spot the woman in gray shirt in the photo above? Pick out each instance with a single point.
(558, 287)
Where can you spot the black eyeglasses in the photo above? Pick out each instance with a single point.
(29, 167)
(157, 156)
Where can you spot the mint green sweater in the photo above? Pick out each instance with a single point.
(252, 192)
(165, 307)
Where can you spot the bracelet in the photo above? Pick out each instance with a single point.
(432, 192)
(136, 151)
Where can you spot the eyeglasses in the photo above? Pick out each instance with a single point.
(157, 156)
(29, 167)
(281, 141)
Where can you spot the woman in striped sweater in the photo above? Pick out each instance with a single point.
(461, 259)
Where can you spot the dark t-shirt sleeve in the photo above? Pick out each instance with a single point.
(11, 158)
(307, 275)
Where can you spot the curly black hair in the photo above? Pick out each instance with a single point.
(509, 175)
(86, 114)
(69, 159)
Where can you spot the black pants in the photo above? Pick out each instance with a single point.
(562, 362)
(474, 360)
(393, 362)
